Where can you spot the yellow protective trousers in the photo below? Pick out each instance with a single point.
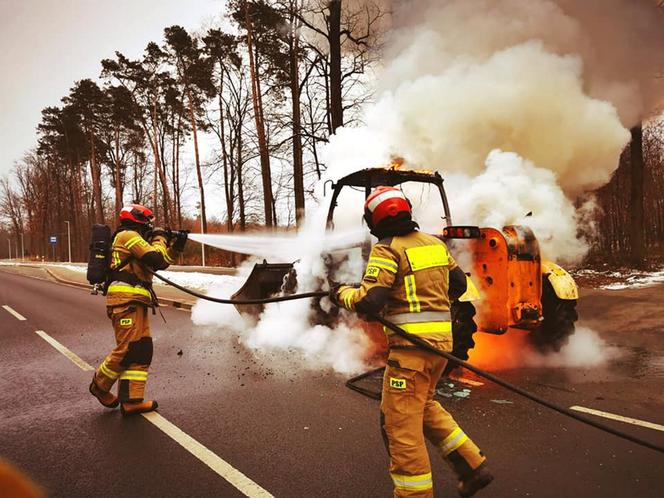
(409, 414)
(131, 358)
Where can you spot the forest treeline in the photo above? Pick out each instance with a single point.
(264, 89)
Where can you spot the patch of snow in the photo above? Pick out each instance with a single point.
(617, 279)
(79, 269)
(195, 280)
(203, 281)
(636, 280)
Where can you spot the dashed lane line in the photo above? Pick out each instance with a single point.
(241, 482)
(619, 418)
(222, 468)
(16, 314)
(76, 360)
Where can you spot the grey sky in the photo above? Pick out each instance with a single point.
(47, 45)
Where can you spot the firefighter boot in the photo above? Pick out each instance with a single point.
(109, 400)
(479, 479)
(135, 408)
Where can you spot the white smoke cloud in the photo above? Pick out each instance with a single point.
(489, 200)
(342, 348)
(522, 99)
(284, 328)
(585, 349)
(617, 40)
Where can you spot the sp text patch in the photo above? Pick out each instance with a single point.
(398, 383)
(372, 273)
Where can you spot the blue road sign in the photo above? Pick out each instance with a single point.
(54, 239)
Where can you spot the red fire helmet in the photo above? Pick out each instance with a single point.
(136, 213)
(384, 202)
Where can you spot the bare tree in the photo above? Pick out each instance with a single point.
(259, 114)
(146, 81)
(222, 49)
(350, 34)
(637, 224)
(194, 74)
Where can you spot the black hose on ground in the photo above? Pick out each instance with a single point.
(511, 387)
(351, 384)
(278, 299)
(425, 346)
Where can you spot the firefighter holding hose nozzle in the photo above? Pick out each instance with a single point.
(412, 278)
(136, 247)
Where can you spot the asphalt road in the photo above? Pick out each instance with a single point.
(303, 434)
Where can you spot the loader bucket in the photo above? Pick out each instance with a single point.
(265, 280)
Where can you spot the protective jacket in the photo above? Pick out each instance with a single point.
(410, 277)
(130, 282)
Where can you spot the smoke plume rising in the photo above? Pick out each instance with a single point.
(555, 84)
(618, 41)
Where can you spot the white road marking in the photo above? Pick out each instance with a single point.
(619, 418)
(17, 315)
(222, 468)
(76, 360)
(241, 482)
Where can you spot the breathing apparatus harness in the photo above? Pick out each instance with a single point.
(117, 275)
(100, 273)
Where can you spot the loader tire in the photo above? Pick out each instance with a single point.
(558, 317)
(463, 328)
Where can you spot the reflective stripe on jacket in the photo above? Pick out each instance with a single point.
(130, 245)
(408, 278)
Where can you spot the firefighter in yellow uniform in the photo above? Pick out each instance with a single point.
(411, 277)
(129, 295)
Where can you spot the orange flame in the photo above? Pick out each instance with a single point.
(499, 352)
(397, 162)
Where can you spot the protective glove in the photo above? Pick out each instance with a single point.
(333, 293)
(180, 239)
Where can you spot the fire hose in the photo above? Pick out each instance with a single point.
(413, 339)
(277, 299)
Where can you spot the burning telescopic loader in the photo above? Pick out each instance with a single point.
(509, 286)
